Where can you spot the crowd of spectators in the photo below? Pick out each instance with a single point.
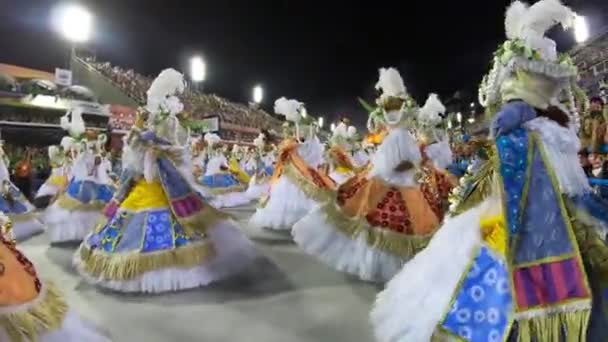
(198, 104)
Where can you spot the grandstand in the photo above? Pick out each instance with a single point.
(592, 62)
(117, 86)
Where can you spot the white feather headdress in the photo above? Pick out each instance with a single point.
(530, 24)
(391, 83)
(75, 123)
(211, 139)
(289, 108)
(352, 131)
(429, 113)
(260, 141)
(528, 49)
(161, 94)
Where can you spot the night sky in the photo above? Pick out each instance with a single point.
(324, 53)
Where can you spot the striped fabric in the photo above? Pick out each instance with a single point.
(549, 283)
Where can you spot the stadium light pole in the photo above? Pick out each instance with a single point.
(198, 71)
(75, 23)
(581, 29)
(258, 94)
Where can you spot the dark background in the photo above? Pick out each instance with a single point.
(325, 53)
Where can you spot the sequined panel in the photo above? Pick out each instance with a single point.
(513, 152)
(27, 264)
(483, 301)
(132, 233)
(349, 190)
(111, 233)
(543, 232)
(172, 180)
(158, 231)
(391, 213)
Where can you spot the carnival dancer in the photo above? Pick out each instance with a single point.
(15, 205)
(342, 164)
(31, 309)
(520, 259)
(218, 178)
(380, 218)
(436, 154)
(56, 182)
(259, 185)
(159, 234)
(296, 185)
(72, 216)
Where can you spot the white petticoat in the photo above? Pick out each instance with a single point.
(341, 177)
(233, 253)
(23, 230)
(69, 225)
(47, 190)
(230, 200)
(317, 237)
(256, 191)
(415, 300)
(286, 206)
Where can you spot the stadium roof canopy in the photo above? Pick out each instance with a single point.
(19, 72)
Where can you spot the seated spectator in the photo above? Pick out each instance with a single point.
(599, 174)
(583, 157)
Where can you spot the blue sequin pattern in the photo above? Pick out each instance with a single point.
(478, 312)
(513, 152)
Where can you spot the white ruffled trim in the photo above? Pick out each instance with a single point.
(22, 230)
(311, 151)
(341, 177)
(415, 300)
(317, 237)
(286, 206)
(73, 329)
(256, 191)
(64, 225)
(230, 200)
(47, 190)
(234, 252)
(561, 146)
(398, 146)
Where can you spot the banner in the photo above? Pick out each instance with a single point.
(206, 125)
(63, 77)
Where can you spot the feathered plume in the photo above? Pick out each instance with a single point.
(289, 108)
(429, 113)
(352, 131)
(260, 141)
(75, 126)
(161, 95)
(531, 23)
(547, 13)
(340, 131)
(212, 139)
(514, 19)
(67, 143)
(391, 83)
(54, 152)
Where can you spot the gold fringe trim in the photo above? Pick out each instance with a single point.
(552, 327)
(309, 189)
(69, 203)
(45, 315)
(127, 266)
(221, 191)
(389, 241)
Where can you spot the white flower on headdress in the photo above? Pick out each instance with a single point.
(288, 108)
(429, 113)
(341, 131)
